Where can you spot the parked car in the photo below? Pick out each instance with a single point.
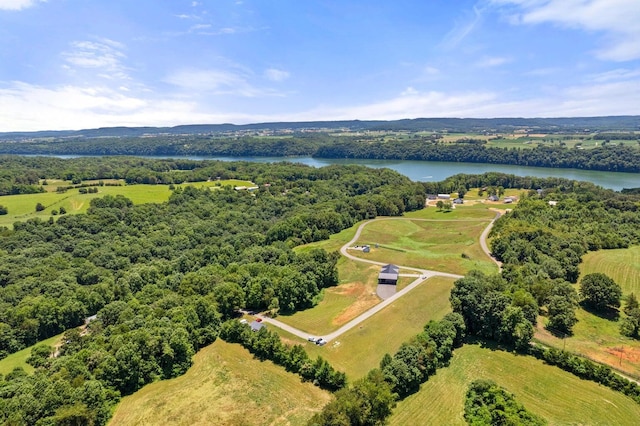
(311, 339)
(321, 342)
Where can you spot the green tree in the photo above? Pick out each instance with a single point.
(487, 403)
(562, 315)
(600, 292)
(630, 325)
(3, 210)
(40, 207)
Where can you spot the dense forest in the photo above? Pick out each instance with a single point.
(162, 277)
(615, 158)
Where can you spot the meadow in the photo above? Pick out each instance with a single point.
(225, 386)
(19, 359)
(443, 245)
(22, 207)
(360, 349)
(622, 265)
(559, 397)
(596, 338)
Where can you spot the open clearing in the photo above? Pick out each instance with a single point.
(225, 386)
(596, 338)
(19, 359)
(360, 349)
(558, 396)
(436, 245)
(355, 294)
(622, 265)
(22, 207)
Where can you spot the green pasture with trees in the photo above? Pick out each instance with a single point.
(162, 278)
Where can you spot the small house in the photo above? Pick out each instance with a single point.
(493, 198)
(389, 275)
(444, 196)
(458, 201)
(366, 249)
(431, 196)
(257, 325)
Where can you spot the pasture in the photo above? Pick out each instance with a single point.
(355, 294)
(22, 207)
(360, 349)
(622, 265)
(598, 339)
(447, 246)
(559, 397)
(19, 359)
(225, 386)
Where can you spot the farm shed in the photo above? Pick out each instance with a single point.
(388, 275)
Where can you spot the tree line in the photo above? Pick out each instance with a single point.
(618, 158)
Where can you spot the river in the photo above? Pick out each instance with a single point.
(433, 171)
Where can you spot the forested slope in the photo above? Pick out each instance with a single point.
(161, 277)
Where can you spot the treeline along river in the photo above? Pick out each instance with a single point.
(435, 171)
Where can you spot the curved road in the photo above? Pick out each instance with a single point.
(424, 274)
(483, 241)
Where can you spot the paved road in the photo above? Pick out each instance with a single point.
(483, 241)
(421, 276)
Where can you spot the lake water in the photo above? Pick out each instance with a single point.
(433, 171)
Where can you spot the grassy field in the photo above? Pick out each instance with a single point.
(559, 397)
(427, 244)
(361, 348)
(355, 294)
(622, 265)
(225, 386)
(599, 339)
(19, 359)
(22, 207)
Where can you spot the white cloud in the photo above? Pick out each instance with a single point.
(104, 54)
(617, 20)
(218, 82)
(18, 4)
(463, 28)
(26, 107)
(492, 61)
(277, 75)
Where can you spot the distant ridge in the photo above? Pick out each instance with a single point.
(573, 124)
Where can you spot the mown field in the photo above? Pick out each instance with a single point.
(622, 265)
(225, 386)
(355, 294)
(598, 339)
(22, 207)
(559, 397)
(447, 246)
(361, 348)
(19, 359)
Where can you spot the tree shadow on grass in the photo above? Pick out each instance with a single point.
(608, 313)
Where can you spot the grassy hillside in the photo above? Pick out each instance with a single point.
(22, 207)
(361, 348)
(558, 396)
(437, 245)
(599, 339)
(19, 359)
(622, 265)
(225, 386)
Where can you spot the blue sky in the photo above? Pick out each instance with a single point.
(72, 64)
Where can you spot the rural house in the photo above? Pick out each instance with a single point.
(257, 325)
(388, 275)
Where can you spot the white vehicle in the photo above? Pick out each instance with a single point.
(311, 339)
(321, 342)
